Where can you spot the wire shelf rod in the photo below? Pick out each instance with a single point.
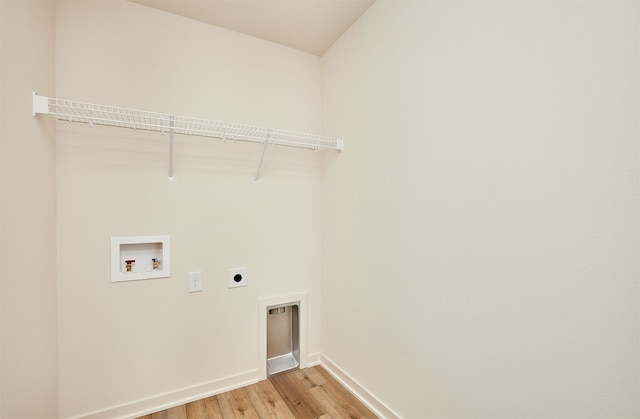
(73, 111)
(93, 114)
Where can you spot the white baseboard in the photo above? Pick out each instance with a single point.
(365, 396)
(176, 398)
(314, 359)
(201, 391)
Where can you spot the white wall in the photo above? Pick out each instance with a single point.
(480, 232)
(121, 343)
(28, 304)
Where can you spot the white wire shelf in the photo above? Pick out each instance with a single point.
(112, 116)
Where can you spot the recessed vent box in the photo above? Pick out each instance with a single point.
(140, 257)
(283, 338)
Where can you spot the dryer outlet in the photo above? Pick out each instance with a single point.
(238, 277)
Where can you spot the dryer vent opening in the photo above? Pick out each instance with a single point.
(283, 338)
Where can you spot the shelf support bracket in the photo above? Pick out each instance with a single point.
(172, 120)
(264, 150)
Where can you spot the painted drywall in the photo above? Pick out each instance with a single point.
(124, 342)
(480, 231)
(28, 302)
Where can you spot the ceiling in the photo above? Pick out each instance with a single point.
(307, 25)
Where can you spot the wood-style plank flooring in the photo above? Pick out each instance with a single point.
(299, 394)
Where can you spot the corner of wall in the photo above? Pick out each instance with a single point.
(28, 343)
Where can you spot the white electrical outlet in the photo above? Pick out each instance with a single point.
(195, 281)
(238, 278)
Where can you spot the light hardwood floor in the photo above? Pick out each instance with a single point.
(299, 394)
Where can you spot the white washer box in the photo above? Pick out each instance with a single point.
(143, 250)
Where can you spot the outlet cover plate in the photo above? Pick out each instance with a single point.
(195, 281)
(238, 277)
